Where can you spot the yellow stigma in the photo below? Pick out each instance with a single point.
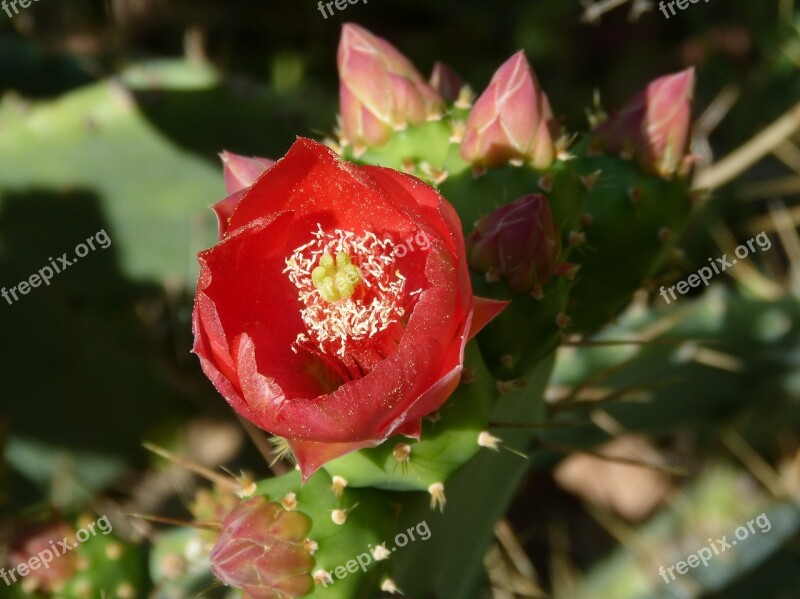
(337, 279)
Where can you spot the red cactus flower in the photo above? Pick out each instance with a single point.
(519, 242)
(379, 88)
(335, 309)
(261, 551)
(511, 119)
(654, 126)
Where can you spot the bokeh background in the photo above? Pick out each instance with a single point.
(111, 117)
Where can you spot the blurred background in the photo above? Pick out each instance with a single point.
(112, 114)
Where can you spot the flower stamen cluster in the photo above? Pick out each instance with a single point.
(351, 298)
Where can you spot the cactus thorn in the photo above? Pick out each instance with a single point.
(478, 171)
(562, 146)
(402, 455)
(280, 449)
(438, 498)
(465, 98)
(467, 375)
(289, 502)
(492, 275)
(664, 234)
(388, 586)
(172, 565)
(627, 153)
(381, 552)
(434, 116)
(576, 238)
(207, 473)
(546, 182)
(590, 180)
(635, 195)
(83, 588)
(568, 269)
(339, 484)
(82, 563)
(114, 551)
(507, 361)
(29, 586)
(508, 386)
(311, 546)
(322, 577)
(486, 439)
(247, 484)
(339, 516)
(334, 145)
(174, 522)
(437, 175)
(586, 220)
(457, 132)
(537, 292)
(562, 320)
(433, 417)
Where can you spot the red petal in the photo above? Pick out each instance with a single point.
(224, 209)
(484, 310)
(311, 455)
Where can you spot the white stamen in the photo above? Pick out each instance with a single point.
(332, 324)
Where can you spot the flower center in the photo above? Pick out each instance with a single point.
(353, 296)
(336, 280)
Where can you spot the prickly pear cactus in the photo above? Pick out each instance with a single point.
(545, 218)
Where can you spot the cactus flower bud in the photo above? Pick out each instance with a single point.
(518, 242)
(447, 83)
(654, 126)
(379, 89)
(511, 119)
(261, 551)
(40, 543)
(241, 172)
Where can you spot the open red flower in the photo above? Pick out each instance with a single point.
(335, 308)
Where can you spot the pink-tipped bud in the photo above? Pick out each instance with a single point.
(261, 551)
(519, 242)
(241, 172)
(511, 120)
(654, 126)
(446, 82)
(379, 89)
(40, 542)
